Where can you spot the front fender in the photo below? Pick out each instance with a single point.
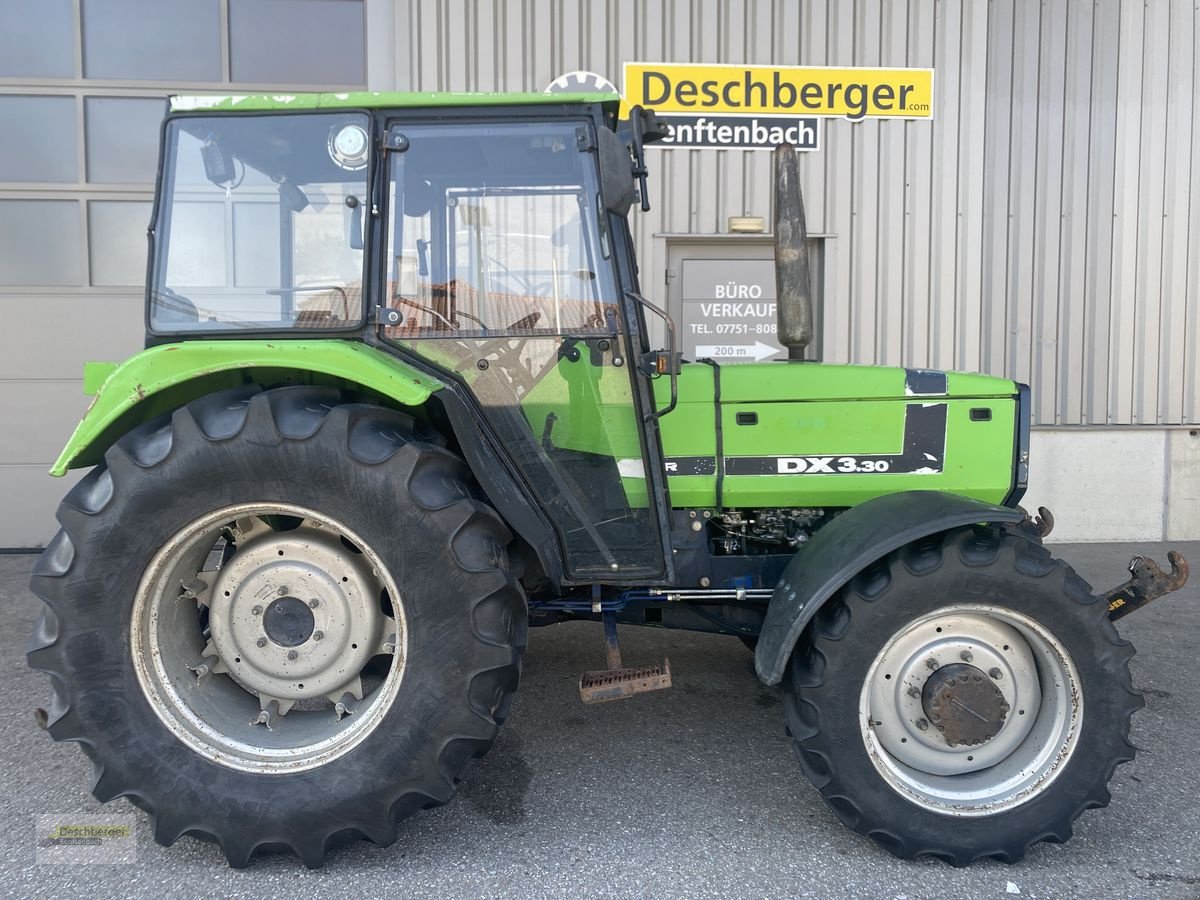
(157, 380)
(846, 546)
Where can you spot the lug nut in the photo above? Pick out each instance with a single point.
(282, 592)
(292, 654)
(261, 642)
(966, 656)
(257, 611)
(995, 673)
(913, 692)
(931, 663)
(314, 603)
(923, 724)
(317, 635)
(389, 647)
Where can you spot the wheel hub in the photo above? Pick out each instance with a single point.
(907, 683)
(964, 704)
(289, 622)
(296, 615)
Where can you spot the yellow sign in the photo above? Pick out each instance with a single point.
(855, 93)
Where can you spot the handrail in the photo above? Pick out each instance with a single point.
(673, 356)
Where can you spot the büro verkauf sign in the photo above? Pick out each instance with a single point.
(854, 93)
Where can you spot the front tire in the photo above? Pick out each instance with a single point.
(963, 698)
(279, 620)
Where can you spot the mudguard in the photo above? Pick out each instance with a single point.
(164, 377)
(847, 545)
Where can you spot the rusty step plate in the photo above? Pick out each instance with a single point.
(617, 684)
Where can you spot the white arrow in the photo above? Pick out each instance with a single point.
(759, 351)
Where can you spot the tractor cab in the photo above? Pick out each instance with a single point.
(489, 244)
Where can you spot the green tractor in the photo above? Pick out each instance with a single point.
(400, 401)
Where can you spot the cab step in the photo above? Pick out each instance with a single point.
(617, 682)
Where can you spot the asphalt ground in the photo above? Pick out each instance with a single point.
(689, 792)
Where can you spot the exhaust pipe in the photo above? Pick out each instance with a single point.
(793, 281)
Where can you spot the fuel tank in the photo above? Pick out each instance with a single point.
(804, 434)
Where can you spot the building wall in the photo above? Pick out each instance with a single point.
(1044, 226)
(82, 92)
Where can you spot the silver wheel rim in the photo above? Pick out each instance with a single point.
(268, 637)
(1040, 688)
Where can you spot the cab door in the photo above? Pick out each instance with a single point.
(500, 273)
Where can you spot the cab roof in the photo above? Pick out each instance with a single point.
(378, 99)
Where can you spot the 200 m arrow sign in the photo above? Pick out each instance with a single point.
(757, 351)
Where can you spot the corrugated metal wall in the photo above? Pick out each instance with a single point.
(1044, 226)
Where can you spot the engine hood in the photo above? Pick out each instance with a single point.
(802, 381)
(796, 434)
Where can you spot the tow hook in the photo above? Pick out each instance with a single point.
(1148, 582)
(1040, 525)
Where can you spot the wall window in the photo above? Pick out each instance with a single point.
(39, 243)
(315, 42)
(122, 139)
(198, 244)
(117, 242)
(37, 39)
(166, 40)
(255, 245)
(39, 139)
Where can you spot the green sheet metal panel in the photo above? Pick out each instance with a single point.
(835, 436)
(146, 376)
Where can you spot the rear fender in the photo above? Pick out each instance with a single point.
(847, 545)
(165, 377)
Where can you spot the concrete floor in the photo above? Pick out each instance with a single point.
(691, 792)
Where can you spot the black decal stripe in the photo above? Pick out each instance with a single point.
(691, 465)
(752, 465)
(924, 451)
(924, 383)
(1020, 477)
(925, 434)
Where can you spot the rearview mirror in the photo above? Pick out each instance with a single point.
(218, 165)
(616, 173)
(292, 197)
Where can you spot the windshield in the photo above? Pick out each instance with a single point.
(495, 230)
(260, 223)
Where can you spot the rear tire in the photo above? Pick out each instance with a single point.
(443, 681)
(860, 716)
